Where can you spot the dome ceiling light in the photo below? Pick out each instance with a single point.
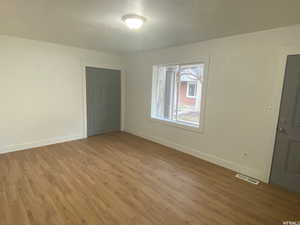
(133, 21)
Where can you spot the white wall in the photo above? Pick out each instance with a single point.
(244, 86)
(41, 91)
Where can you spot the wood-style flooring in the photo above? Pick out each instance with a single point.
(118, 178)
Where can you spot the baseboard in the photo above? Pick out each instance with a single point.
(39, 143)
(207, 157)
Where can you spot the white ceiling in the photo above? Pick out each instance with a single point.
(96, 24)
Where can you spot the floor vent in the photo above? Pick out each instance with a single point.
(246, 178)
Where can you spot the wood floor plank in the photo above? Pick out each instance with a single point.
(118, 178)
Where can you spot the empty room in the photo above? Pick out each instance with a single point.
(148, 112)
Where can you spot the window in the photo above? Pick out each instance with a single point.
(177, 94)
(191, 89)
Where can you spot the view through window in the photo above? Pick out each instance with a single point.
(177, 93)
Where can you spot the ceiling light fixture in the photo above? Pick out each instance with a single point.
(133, 21)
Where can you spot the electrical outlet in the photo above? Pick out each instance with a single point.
(244, 155)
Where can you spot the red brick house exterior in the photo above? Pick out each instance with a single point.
(184, 100)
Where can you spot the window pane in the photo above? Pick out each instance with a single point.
(165, 82)
(177, 93)
(191, 92)
(190, 83)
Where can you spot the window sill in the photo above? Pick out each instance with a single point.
(184, 126)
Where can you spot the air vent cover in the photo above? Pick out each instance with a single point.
(246, 178)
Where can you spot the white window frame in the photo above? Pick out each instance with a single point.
(188, 88)
(177, 124)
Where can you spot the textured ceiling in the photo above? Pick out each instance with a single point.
(96, 24)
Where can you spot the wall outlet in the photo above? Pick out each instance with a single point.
(244, 155)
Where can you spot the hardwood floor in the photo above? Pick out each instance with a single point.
(119, 178)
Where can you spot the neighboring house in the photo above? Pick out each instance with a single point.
(188, 93)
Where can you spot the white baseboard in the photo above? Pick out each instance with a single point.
(208, 157)
(39, 143)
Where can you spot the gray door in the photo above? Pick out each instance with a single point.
(286, 160)
(103, 93)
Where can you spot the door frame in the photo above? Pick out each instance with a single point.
(278, 84)
(123, 93)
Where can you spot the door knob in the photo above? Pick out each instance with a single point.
(282, 130)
